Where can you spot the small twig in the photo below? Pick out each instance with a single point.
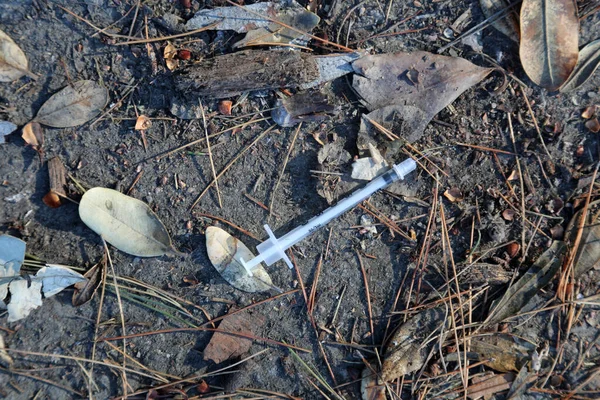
(368, 294)
(256, 139)
(210, 157)
(523, 233)
(285, 161)
(160, 39)
(537, 128)
(245, 232)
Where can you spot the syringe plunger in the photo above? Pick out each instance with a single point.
(273, 249)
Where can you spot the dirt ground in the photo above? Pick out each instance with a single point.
(110, 153)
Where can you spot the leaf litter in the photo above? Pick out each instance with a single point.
(225, 253)
(74, 105)
(125, 222)
(13, 62)
(26, 291)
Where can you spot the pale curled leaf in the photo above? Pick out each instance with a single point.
(73, 105)
(411, 88)
(588, 62)
(225, 253)
(55, 278)
(33, 135)
(549, 41)
(5, 358)
(12, 254)
(126, 223)
(25, 297)
(410, 346)
(508, 24)
(522, 291)
(13, 63)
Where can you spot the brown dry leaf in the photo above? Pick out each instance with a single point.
(225, 253)
(522, 291)
(388, 85)
(13, 63)
(489, 385)
(169, 54)
(85, 291)
(508, 214)
(369, 387)
(588, 112)
(225, 107)
(454, 195)
(593, 125)
(143, 123)
(33, 135)
(73, 105)
(549, 41)
(223, 346)
(588, 62)
(411, 344)
(508, 25)
(588, 252)
(503, 352)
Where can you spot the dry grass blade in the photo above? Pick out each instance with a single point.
(287, 157)
(549, 41)
(256, 139)
(212, 164)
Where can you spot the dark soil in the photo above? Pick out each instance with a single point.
(110, 153)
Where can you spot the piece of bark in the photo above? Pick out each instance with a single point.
(58, 181)
(223, 346)
(232, 74)
(305, 106)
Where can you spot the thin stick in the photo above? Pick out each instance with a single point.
(245, 232)
(210, 157)
(523, 233)
(98, 317)
(99, 30)
(368, 294)
(160, 39)
(256, 139)
(47, 381)
(313, 289)
(537, 128)
(137, 9)
(285, 161)
(117, 292)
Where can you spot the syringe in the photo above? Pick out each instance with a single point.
(273, 249)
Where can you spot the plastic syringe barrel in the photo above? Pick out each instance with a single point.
(273, 249)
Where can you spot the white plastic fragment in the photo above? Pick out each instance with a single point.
(24, 299)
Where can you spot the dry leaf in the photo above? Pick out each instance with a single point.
(225, 107)
(508, 24)
(225, 253)
(593, 125)
(33, 135)
(169, 54)
(5, 359)
(85, 291)
(454, 195)
(74, 105)
(409, 89)
(13, 63)
(411, 344)
(126, 223)
(522, 291)
(588, 62)
(56, 277)
(502, 352)
(369, 387)
(6, 128)
(549, 41)
(588, 252)
(588, 112)
(24, 298)
(143, 123)
(508, 214)
(367, 168)
(223, 346)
